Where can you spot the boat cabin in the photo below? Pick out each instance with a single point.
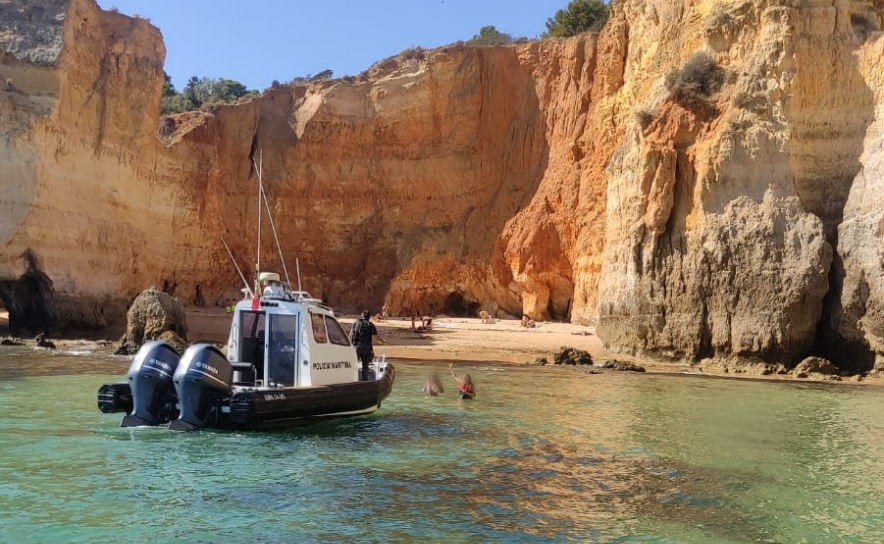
(286, 338)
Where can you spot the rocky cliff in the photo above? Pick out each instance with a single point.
(731, 224)
(699, 178)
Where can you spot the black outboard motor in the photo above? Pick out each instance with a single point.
(115, 397)
(150, 382)
(202, 381)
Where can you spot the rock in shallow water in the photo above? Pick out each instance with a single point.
(154, 315)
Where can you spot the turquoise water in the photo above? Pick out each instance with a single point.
(542, 455)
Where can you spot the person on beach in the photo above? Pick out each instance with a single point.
(466, 389)
(433, 386)
(425, 326)
(361, 336)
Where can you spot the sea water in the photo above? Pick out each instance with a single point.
(542, 454)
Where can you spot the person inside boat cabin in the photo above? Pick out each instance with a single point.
(466, 389)
(362, 335)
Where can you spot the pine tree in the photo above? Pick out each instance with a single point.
(580, 16)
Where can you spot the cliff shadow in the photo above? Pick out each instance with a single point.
(830, 113)
(28, 299)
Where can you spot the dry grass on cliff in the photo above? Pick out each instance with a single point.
(693, 86)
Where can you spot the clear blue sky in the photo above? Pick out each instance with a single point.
(257, 41)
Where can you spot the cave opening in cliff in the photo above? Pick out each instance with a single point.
(850, 351)
(28, 303)
(28, 299)
(457, 306)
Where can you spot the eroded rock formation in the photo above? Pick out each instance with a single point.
(723, 211)
(701, 177)
(154, 315)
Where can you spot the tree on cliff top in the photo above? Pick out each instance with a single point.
(168, 88)
(199, 91)
(489, 35)
(580, 16)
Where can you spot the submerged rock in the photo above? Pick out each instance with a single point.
(42, 342)
(572, 356)
(625, 366)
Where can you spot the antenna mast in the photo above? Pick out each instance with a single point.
(258, 171)
(249, 289)
(275, 237)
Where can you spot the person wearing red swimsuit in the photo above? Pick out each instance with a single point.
(465, 387)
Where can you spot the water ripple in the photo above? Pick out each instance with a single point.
(543, 455)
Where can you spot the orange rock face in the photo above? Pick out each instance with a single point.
(434, 185)
(583, 179)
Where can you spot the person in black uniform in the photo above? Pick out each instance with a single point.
(361, 336)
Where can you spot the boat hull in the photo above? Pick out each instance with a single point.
(292, 407)
(268, 409)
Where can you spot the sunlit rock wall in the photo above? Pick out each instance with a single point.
(725, 211)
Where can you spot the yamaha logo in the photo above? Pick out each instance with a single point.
(207, 367)
(161, 364)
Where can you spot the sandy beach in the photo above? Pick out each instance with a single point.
(454, 338)
(458, 338)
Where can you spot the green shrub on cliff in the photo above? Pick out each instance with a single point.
(176, 104)
(489, 35)
(199, 91)
(580, 16)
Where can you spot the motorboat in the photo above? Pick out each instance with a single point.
(288, 363)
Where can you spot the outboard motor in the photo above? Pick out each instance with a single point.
(115, 397)
(150, 383)
(202, 381)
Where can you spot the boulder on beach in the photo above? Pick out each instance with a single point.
(817, 367)
(154, 315)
